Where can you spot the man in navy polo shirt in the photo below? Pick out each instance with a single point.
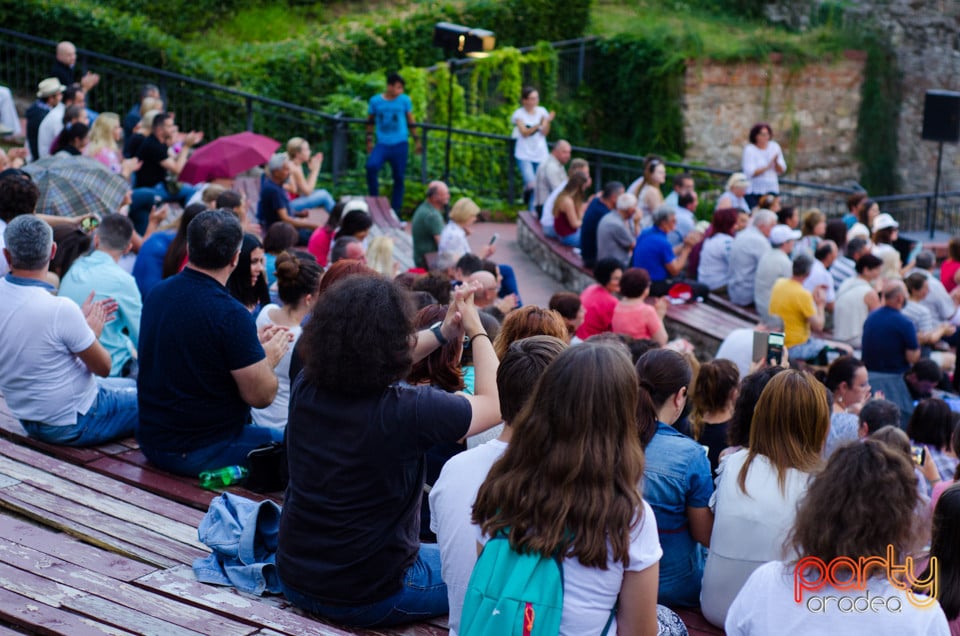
(663, 261)
(890, 347)
(202, 362)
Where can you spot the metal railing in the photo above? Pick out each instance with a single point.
(481, 163)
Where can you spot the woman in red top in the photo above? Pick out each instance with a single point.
(598, 300)
(569, 207)
(950, 270)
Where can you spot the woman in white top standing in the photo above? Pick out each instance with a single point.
(531, 125)
(298, 280)
(758, 487)
(762, 162)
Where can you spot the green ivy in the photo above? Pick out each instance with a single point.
(877, 123)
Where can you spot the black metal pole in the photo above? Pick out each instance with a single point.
(932, 211)
(446, 161)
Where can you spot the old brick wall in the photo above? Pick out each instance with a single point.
(812, 109)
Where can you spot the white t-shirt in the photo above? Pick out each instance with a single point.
(50, 127)
(754, 159)
(41, 377)
(4, 266)
(451, 507)
(748, 529)
(819, 275)
(590, 593)
(737, 347)
(546, 216)
(766, 605)
(532, 148)
(275, 415)
(452, 245)
(714, 268)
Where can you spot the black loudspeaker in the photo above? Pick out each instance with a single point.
(941, 116)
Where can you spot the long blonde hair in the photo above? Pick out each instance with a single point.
(101, 134)
(380, 255)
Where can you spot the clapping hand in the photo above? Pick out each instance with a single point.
(275, 340)
(98, 313)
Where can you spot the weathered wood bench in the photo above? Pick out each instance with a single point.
(119, 528)
(124, 462)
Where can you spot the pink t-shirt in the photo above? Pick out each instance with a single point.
(638, 320)
(598, 305)
(319, 244)
(947, 271)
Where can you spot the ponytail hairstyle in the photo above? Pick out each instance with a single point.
(716, 382)
(660, 373)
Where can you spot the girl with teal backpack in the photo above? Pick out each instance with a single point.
(566, 530)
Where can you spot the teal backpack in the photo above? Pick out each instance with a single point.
(514, 594)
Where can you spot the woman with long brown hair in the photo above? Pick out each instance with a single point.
(569, 208)
(862, 507)
(758, 487)
(564, 487)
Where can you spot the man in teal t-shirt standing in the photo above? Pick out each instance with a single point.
(391, 113)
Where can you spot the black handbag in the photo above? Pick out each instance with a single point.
(268, 468)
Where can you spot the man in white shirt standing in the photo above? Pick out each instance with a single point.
(49, 353)
(452, 496)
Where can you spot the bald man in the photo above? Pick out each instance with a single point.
(551, 173)
(427, 222)
(64, 68)
(890, 347)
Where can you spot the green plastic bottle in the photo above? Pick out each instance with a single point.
(221, 477)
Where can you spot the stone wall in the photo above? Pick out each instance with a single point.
(812, 109)
(926, 37)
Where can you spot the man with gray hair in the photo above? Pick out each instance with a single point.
(203, 363)
(665, 262)
(617, 232)
(49, 353)
(101, 271)
(747, 249)
(942, 305)
(347, 247)
(274, 204)
(551, 173)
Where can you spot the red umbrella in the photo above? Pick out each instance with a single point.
(226, 157)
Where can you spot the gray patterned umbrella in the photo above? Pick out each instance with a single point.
(75, 186)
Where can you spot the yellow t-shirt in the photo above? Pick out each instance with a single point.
(794, 305)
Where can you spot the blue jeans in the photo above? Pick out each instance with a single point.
(396, 156)
(230, 452)
(316, 199)
(423, 595)
(807, 350)
(573, 240)
(509, 283)
(528, 170)
(113, 415)
(181, 197)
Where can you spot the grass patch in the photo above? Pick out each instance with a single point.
(701, 34)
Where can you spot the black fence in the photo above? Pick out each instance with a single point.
(481, 163)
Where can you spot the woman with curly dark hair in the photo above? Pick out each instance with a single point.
(861, 507)
(714, 398)
(248, 282)
(565, 488)
(356, 439)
